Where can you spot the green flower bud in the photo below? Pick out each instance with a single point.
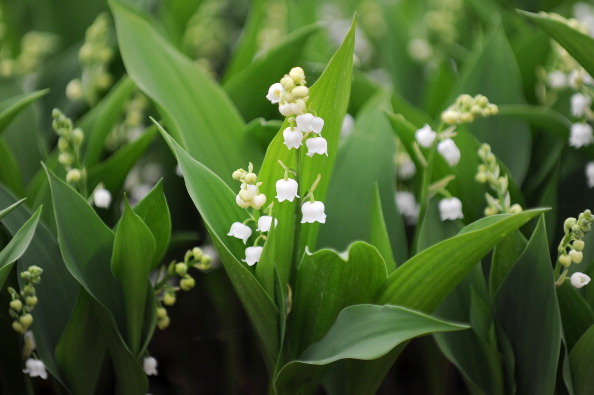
(65, 159)
(578, 245)
(297, 75)
(18, 327)
(26, 320)
(163, 323)
(515, 208)
(565, 260)
(16, 305)
(287, 83)
(161, 313)
(181, 269)
(169, 298)
(237, 174)
(576, 256)
(187, 283)
(198, 254)
(246, 195)
(300, 92)
(62, 145)
(31, 301)
(250, 178)
(29, 290)
(77, 137)
(73, 175)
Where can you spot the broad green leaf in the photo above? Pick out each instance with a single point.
(327, 282)
(10, 108)
(101, 119)
(9, 171)
(378, 234)
(248, 87)
(494, 72)
(265, 269)
(526, 307)
(216, 203)
(364, 159)
(17, 246)
(362, 331)
(578, 44)
(505, 256)
(9, 209)
(57, 291)
(154, 212)
(133, 253)
(577, 315)
(205, 123)
(113, 171)
(581, 360)
(425, 279)
(80, 352)
(329, 97)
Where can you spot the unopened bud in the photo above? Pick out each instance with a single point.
(576, 256)
(73, 175)
(169, 298)
(16, 305)
(187, 283)
(297, 75)
(300, 92)
(181, 269)
(578, 245)
(197, 252)
(237, 174)
(31, 301)
(250, 178)
(26, 320)
(565, 260)
(18, 327)
(164, 323)
(161, 313)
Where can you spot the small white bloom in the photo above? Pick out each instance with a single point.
(405, 167)
(252, 255)
(313, 212)
(102, 197)
(450, 151)
(590, 174)
(242, 203)
(264, 223)
(274, 93)
(150, 366)
(286, 190)
(241, 231)
(307, 122)
(285, 108)
(298, 107)
(35, 368)
(425, 136)
(420, 50)
(578, 279)
(293, 138)
(578, 77)
(258, 201)
(557, 79)
(450, 208)
(316, 145)
(348, 124)
(408, 207)
(580, 135)
(580, 104)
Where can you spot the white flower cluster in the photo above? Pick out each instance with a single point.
(572, 246)
(447, 148)
(467, 108)
(291, 94)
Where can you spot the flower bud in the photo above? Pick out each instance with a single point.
(18, 327)
(31, 301)
(258, 201)
(77, 137)
(568, 224)
(74, 90)
(73, 175)
(250, 178)
(198, 253)
(450, 117)
(29, 290)
(181, 269)
(161, 313)
(163, 323)
(65, 159)
(246, 195)
(515, 208)
(300, 92)
(187, 283)
(26, 320)
(578, 245)
(297, 75)
(169, 298)
(576, 256)
(16, 305)
(287, 83)
(565, 260)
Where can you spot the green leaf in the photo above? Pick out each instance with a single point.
(505, 256)
(10, 108)
(80, 352)
(581, 360)
(257, 76)
(327, 282)
(9, 209)
(154, 212)
(425, 279)
(365, 159)
(113, 171)
(204, 121)
(360, 332)
(9, 171)
(265, 269)
(494, 72)
(131, 262)
(216, 203)
(329, 97)
(101, 119)
(17, 246)
(526, 308)
(577, 315)
(578, 44)
(378, 234)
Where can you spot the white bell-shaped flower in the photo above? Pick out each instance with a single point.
(286, 190)
(308, 122)
(252, 255)
(293, 138)
(450, 209)
(425, 136)
(35, 368)
(580, 104)
(579, 280)
(450, 151)
(258, 201)
(264, 223)
(274, 93)
(408, 207)
(102, 197)
(590, 174)
(316, 145)
(150, 366)
(580, 135)
(557, 79)
(285, 108)
(240, 231)
(242, 203)
(313, 212)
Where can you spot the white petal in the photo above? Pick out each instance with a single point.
(313, 212)
(286, 190)
(252, 255)
(150, 366)
(580, 135)
(102, 198)
(316, 145)
(425, 136)
(450, 209)
(240, 231)
(579, 280)
(450, 151)
(274, 93)
(264, 223)
(293, 138)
